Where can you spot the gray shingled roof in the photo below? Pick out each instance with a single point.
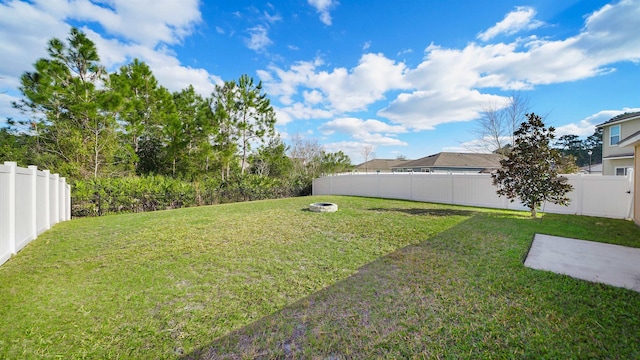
(631, 136)
(621, 117)
(380, 164)
(449, 159)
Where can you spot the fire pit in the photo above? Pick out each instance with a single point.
(323, 207)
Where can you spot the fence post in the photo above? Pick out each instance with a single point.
(47, 199)
(68, 200)
(56, 200)
(630, 179)
(12, 205)
(62, 206)
(34, 201)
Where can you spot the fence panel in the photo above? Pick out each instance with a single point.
(593, 195)
(6, 246)
(435, 188)
(42, 201)
(25, 195)
(393, 187)
(30, 202)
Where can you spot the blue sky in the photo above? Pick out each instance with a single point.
(405, 77)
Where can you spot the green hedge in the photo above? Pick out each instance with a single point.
(101, 196)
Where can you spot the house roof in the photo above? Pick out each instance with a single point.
(621, 118)
(631, 140)
(455, 160)
(620, 156)
(380, 164)
(595, 168)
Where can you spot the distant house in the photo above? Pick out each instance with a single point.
(379, 165)
(446, 162)
(593, 169)
(617, 153)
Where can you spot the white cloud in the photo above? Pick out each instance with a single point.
(424, 110)
(299, 111)
(381, 140)
(7, 110)
(355, 126)
(146, 22)
(370, 131)
(284, 84)
(404, 51)
(312, 97)
(272, 18)
(366, 45)
(25, 30)
(139, 29)
(258, 38)
(345, 90)
(323, 7)
(587, 126)
(522, 18)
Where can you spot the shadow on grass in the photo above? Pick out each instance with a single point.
(427, 212)
(462, 293)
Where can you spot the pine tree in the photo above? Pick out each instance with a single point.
(72, 110)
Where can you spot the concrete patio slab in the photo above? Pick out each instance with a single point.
(587, 260)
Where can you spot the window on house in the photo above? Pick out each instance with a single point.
(614, 135)
(621, 171)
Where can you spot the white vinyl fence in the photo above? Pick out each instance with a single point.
(592, 195)
(31, 201)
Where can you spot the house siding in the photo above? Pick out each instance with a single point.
(627, 128)
(636, 201)
(610, 165)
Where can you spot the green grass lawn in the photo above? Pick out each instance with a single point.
(377, 279)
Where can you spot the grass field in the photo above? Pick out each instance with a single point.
(377, 279)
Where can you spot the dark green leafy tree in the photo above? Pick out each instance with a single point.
(572, 146)
(529, 172)
(333, 163)
(271, 159)
(15, 147)
(194, 114)
(594, 143)
(142, 111)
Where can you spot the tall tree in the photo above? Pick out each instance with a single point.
(594, 143)
(367, 154)
(256, 117)
(306, 155)
(143, 110)
(197, 129)
(528, 172)
(72, 109)
(225, 124)
(498, 123)
(572, 145)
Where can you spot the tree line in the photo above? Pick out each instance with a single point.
(86, 124)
